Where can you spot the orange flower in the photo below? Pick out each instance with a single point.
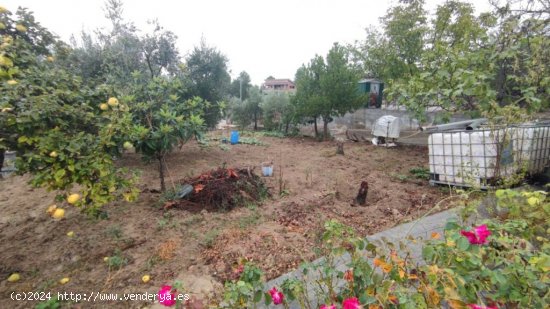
(392, 298)
(377, 262)
(386, 268)
(401, 274)
(413, 276)
(436, 235)
(374, 307)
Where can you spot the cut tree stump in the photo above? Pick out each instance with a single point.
(340, 147)
(361, 198)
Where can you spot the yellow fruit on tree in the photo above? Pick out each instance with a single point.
(50, 59)
(112, 101)
(59, 213)
(20, 28)
(128, 145)
(12, 82)
(64, 280)
(145, 278)
(532, 201)
(5, 62)
(103, 106)
(70, 233)
(51, 209)
(53, 154)
(73, 198)
(14, 277)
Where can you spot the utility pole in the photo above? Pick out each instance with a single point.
(241, 88)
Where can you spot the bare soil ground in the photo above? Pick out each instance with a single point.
(311, 184)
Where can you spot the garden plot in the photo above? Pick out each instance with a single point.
(203, 247)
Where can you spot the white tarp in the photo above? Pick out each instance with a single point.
(386, 126)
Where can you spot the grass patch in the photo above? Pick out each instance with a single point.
(250, 220)
(420, 173)
(210, 238)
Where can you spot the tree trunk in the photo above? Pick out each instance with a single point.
(315, 125)
(2, 151)
(325, 128)
(161, 173)
(255, 120)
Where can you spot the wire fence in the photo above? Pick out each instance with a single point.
(486, 157)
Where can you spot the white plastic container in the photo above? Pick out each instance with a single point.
(482, 157)
(533, 148)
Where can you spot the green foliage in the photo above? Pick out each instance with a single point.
(308, 97)
(327, 88)
(477, 63)
(247, 111)
(210, 238)
(512, 268)
(420, 172)
(207, 69)
(52, 303)
(277, 111)
(117, 261)
(245, 292)
(240, 86)
(251, 141)
(509, 269)
(163, 120)
(54, 122)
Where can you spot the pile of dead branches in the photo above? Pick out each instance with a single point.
(221, 189)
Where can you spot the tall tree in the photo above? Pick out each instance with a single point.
(404, 28)
(277, 111)
(247, 111)
(338, 86)
(307, 100)
(480, 64)
(327, 88)
(210, 80)
(62, 134)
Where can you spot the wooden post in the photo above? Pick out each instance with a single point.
(361, 198)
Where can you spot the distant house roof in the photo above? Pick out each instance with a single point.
(278, 81)
(370, 80)
(279, 84)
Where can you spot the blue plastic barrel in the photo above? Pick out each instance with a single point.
(234, 137)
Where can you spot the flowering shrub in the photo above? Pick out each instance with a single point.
(478, 236)
(502, 263)
(166, 296)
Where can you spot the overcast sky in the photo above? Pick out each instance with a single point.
(260, 37)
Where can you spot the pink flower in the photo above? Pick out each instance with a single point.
(276, 296)
(472, 306)
(478, 236)
(351, 303)
(327, 307)
(166, 297)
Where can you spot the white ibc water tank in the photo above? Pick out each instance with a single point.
(482, 157)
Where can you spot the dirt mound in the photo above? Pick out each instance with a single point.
(220, 189)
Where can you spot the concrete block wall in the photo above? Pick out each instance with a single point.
(364, 118)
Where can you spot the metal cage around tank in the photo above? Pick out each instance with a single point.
(485, 156)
